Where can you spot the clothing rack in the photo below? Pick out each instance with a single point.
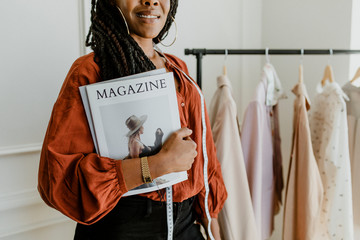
(200, 52)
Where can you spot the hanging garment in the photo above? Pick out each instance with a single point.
(236, 219)
(277, 159)
(259, 147)
(273, 94)
(304, 189)
(353, 117)
(329, 135)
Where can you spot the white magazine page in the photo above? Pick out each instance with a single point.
(151, 100)
(84, 98)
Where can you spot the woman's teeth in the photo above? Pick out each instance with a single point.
(148, 16)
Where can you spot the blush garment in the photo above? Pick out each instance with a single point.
(236, 219)
(85, 186)
(304, 189)
(259, 147)
(329, 135)
(353, 117)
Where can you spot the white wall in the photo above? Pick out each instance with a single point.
(39, 41)
(355, 37)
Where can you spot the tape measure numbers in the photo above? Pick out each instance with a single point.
(169, 213)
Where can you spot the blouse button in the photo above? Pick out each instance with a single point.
(183, 104)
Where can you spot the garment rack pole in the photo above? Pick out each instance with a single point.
(200, 52)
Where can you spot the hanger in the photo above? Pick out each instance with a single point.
(224, 67)
(328, 73)
(301, 75)
(267, 55)
(356, 77)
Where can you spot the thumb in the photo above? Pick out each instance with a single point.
(184, 132)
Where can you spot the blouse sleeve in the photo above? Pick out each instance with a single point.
(72, 178)
(217, 193)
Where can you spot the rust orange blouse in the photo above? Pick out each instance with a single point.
(84, 186)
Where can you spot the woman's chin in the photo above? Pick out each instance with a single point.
(145, 35)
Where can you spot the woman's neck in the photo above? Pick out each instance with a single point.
(137, 136)
(146, 45)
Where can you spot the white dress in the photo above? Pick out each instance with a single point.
(353, 114)
(329, 134)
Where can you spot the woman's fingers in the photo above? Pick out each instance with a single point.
(179, 150)
(183, 133)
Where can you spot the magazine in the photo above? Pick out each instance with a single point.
(131, 117)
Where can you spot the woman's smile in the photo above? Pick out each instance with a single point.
(148, 16)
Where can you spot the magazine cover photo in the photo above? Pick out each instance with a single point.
(137, 129)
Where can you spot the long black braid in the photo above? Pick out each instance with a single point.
(116, 52)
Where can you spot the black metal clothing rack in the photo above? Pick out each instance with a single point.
(200, 52)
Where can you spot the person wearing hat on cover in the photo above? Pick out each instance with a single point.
(89, 188)
(136, 147)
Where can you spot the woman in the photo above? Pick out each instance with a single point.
(87, 187)
(136, 147)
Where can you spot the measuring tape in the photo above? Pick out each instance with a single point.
(169, 212)
(206, 160)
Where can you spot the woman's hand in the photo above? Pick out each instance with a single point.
(177, 153)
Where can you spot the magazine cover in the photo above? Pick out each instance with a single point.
(84, 98)
(132, 118)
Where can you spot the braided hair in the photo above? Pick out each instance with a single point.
(116, 52)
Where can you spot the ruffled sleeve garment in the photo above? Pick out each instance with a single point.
(85, 186)
(236, 219)
(353, 117)
(329, 134)
(304, 189)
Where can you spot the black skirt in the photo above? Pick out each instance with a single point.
(136, 218)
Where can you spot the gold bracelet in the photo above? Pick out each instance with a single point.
(145, 171)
